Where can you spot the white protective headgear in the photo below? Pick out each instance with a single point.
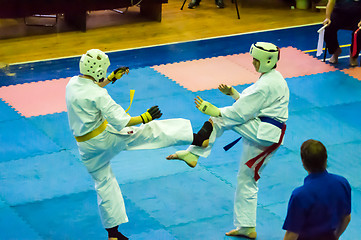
(94, 63)
(266, 53)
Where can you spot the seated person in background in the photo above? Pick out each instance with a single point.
(321, 208)
(343, 14)
(195, 3)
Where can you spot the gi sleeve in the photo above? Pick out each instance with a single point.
(295, 218)
(113, 112)
(245, 108)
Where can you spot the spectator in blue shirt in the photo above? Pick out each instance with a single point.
(321, 208)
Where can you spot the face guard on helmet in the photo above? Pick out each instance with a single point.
(94, 63)
(266, 53)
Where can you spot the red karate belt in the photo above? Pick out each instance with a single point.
(263, 155)
(354, 45)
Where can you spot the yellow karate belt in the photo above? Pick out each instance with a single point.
(102, 126)
(93, 133)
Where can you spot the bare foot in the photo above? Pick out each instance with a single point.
(245, 232)
(233, 232)
(189, 158)
(172, 156)
(334, 57)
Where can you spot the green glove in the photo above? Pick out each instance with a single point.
(207, 108)
(150, 114)
(118, 73)
(229, 90)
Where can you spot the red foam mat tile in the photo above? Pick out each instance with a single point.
(295, 63)
(204, 74)
(237, 69)
(353, 72)
(38, 98)
(292, 63)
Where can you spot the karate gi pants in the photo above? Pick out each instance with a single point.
(97, 152)
(245, 200)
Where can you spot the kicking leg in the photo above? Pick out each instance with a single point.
(189, 158)
(201, 139)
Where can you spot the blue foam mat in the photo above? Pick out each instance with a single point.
(319, 125)
(273, 187)
(56, 127)
(346, 113)
(343, 161)
(207, 228)
(182, 196)
(7, 112)
(269, 226)
(84, 222)
(326, 89)
(159, 234)
(20, 139)
(42, 177)
(147, 83)
(14, 227)
(298, 103)
(39, 71)
(141, 224)
(132, 166)
(216, 227)
(78, 214)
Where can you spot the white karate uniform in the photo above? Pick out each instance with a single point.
(269, 97)
(88, 106)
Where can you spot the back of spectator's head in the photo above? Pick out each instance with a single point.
(314, 156)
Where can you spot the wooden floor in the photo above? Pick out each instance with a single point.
(108, 31)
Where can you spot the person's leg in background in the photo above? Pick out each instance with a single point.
(355, 42)
(220, 3)
(195, 3)
(331, 36)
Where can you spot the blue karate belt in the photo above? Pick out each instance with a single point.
(263, 119)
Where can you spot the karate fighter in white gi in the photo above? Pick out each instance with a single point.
(102, 129)
(258, 115)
